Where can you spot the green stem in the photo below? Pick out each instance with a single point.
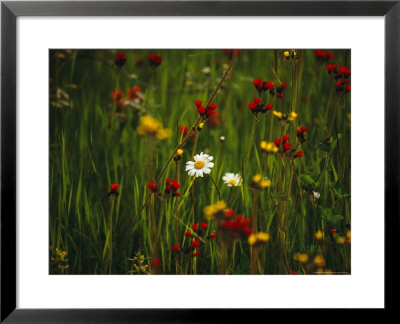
(215, 185)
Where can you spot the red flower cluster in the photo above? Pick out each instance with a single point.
(340, 84)
(153, 186)
(133, 93)
(280, 90)
(344, 71)
(323, 56)
(172, 187)
(120, 59)
(155, 60)
(331, 68)
(284, 146)
(212, 235)
(263, 86)
(301, 134)
(332, 231)
(237, 227)
(205, 112)
(118, 94)
(230, 51)
(255, 106)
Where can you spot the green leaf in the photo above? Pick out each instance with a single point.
(309, 177)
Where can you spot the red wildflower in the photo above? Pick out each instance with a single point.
(285, 138)
(198, 103)
(195, 227)
(299, 154)
(229, 213)
(188, 234)
(196, 254)
(256, 100)
(175, 248)
(280, 95)
(348, 88)
(212, 235)
(156, 262)
(114, 187)
(293, 272)
(258, 83)
(203, 225)
(303, 129)
(133, 93)
(120, 59)
(201, 110)
(332, 231)
(212, 106)
(153, 186)
(344, 70)
(214, 120)
(252, 105)
(175, 185)
(277, 142)
(195, 243)
(118, 94)
(283, 84)
(184, 130)
(269, 107)
(287, 146)
(155, 60)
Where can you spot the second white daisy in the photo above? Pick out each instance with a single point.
(202, 164)
(232, 180)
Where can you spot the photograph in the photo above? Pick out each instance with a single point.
(199, 161)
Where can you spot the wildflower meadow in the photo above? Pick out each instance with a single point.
(200, 161)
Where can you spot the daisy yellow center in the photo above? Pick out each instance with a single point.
(199, 165)
(232, 182)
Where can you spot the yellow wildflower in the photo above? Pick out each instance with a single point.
(319, 235)
(319, 261)
(292, 116)
(286, 54)
(340, 240)
(259, 237)
(151, 126)
(265, 183)
(301, 257)
(277, 114)
(179, 151)
(268, 147)
(212, 210)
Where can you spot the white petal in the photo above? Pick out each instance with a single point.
(189, 167)
(197, 157)
(199, 173)
(192, 172)
(209, 158)
(209, 165)
(206, 170)
(189, 163)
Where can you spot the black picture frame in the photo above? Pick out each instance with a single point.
(10, 10)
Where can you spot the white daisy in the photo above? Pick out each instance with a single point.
(232, 179)
(316, 195)
(200, 165)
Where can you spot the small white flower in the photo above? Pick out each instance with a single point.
(232, 179)
(200, 165)
(316, 194)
